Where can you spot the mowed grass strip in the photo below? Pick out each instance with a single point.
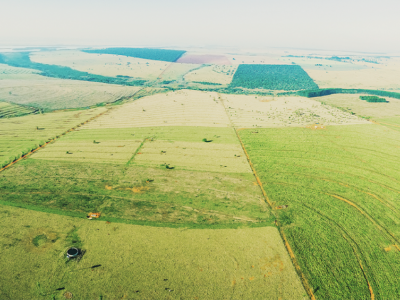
(181, 108)
(152, 263)
(200, 156)
(341, 186)
(115, 151)
(20, 135)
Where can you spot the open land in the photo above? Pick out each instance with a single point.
(103, 64)
(203, 194)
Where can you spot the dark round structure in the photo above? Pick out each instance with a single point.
(73, 252)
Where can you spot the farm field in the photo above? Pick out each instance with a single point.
(49, 93)
(180, 108)
(191, 58)
(152, 263)
(341, 187)
(102, 64)
(353, 103)
(20, 135)
(246, 111)
(8, 110)
(375, 76)
(273, 77)
(220, 74)
(177, 71)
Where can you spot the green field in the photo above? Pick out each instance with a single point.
(139, 262)
(19, 136)
(272, 77)
(342, 186)
(158, 175)
(9, 110)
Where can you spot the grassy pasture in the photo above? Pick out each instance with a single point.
(53, 94)
(342, 186)
(247, 111)
(102, 64)
(20, 135)
(150, 263)
(221, 74)
(180, 108)
(374, 76)
(9, 110)
(353, 103)
(177, 71)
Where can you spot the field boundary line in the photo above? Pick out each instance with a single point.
(304, 280)
(51, 140)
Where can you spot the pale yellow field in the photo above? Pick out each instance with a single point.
(215, 74)
(194, 156)
(61, 93)
(270, 59)
(102, 64)
(361, 107)
(177, 71)
(8, 70)
(138, 262)
(114, 151)
(376, 76)
(257, 111)
(180, 108)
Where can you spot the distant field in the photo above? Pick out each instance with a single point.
(341, 186)
(375, 76)
(323, 64)
(102, 64)
(165, 263)
(20, 135)
(8, 110)
(353, 103)
(247, 111)
(8, 70)
(273, 77)
(146, 53)
(204, 59)
(48, 93)
(180, 108)
(221, 74)
(177, 71)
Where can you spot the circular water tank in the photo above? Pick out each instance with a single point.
(72, 252)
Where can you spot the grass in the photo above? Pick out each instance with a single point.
(342, 187)
(140, 262)
(19, 136)
(9, 110)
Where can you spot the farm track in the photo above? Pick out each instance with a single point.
(52, 140)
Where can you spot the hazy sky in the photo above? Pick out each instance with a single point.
(367, 25)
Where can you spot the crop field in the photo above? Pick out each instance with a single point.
(323, 64)
(177, 71)
(20, 135)
(339, 188)
(12, 71)
(180, 108)
(102, 64)
(352, 103)
(146, 53)
(374, 76)
(258, 111)
(204, 59)
(53, 94)
(152, 263)
(272, 77)
(221, 74)
(9, 110)
(271, 59)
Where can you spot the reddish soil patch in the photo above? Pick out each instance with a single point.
(204, 59)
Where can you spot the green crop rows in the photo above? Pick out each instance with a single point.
(342, 188)
(8, 110)
(146, 53)
(272, 77)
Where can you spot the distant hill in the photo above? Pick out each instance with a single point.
(146, 53)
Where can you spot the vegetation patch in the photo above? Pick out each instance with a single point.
(9, 110)
(373, 99)
(272, 77)
(341, 187)
(146, 53)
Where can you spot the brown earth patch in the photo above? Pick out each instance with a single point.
(204, 59)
